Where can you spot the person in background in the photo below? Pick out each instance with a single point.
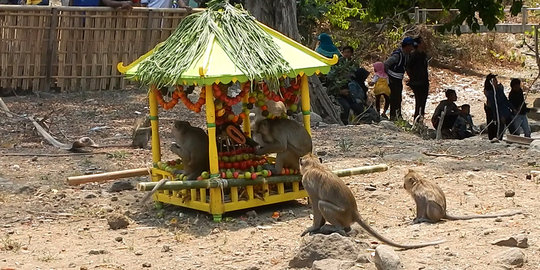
(165, 4)
(381, 88)
(520, 109)
(123, 5)
(451, 112)
(395, 68)
(347, 102)
(417, 69)
(498, 109)
(326, 46)
(463, 126)
(347, 52)
(358, 87)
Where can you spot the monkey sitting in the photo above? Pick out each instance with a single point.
(285, 137)
(191, 145)
(333, 201)
(431, 202)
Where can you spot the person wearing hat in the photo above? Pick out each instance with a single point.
(395, 67)
(326, 46)
(417, 69)
(497, 107)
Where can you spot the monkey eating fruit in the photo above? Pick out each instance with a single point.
(431, 202)
(286, 137)
(191, 145)
(334, 202)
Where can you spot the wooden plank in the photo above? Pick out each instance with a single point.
(85, 41)
(15, 50)
(517, 139)
(51, 45)
(105, 50)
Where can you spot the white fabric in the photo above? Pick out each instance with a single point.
(160, 3)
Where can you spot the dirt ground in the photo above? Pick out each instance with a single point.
(46, 224)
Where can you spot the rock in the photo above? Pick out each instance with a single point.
(120, 186)
(253, 267)
(371, 188)
(114, 199)
(509, 193)
(498, 219)
(26, 190)
(388, 125)
(363, 258)
(117, 221)
(519, 240)
(319, 247)
(332, 264)
(251, 214)
(97, 251)
(16, 167)
(90, 196)
(83, 268)
(165, 248)
(146, 265)
(107, 209)
(72, 265)
(118, 239)
(386, 258)
(321, 153)
(512, 257)
(138, 253)
(535, 145)
(35, 158)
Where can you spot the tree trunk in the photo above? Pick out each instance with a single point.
(281, 15)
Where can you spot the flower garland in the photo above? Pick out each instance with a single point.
(180, 94)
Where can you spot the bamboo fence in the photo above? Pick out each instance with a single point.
(76, 48)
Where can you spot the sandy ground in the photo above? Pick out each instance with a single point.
(45, 224)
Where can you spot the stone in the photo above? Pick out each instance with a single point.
(253, 267)
(535, 145)
(26, 190)
(511, 257)
(147, 265)
(509, 193)
(519, 240)
(72, 265)
(371, 188)
(319, 247)
(386, 258)
(114, 199)
(90, 196)
(138, 253)
(120, 186)
(117, 221)
(165, 248)
(363, 258)
(97, 252)
(388, 125)
(333, 264)
(251, 214)
(118, 239)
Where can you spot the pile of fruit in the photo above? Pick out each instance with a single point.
(240, 159)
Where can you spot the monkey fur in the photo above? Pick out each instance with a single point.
(431, 202)
(286, 137)
(191, 145)
(334, 202)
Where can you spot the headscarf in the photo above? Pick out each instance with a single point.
(326, 46)
(379, 70)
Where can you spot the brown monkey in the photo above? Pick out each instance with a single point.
(191, 144)
(141, 132)
(285, 137)
(334, 202)
(431, 202)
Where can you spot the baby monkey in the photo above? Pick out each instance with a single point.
(333, 201)
(431, 202)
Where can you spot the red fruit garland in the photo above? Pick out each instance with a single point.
(180, 94)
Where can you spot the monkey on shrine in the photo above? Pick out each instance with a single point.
(431, 202)
(333, 201)
(285, 137)
(191, 145)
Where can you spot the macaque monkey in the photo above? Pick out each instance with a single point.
(191, 145)
(333, 201)
(141, 132)
(285, 137)
(431, 202)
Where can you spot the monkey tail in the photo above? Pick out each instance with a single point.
(371, 231)
(451, 217)
(156, 187)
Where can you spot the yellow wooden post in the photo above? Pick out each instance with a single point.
(216, 203)
(246, 124)
(304, 86)
(156, 148)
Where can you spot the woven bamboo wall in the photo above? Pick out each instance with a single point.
(76, 48)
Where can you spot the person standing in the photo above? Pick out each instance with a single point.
(417, 69)
(395, 68)
(517, 100)
(498, 108)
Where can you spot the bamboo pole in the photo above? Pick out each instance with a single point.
(304, 86)
(216, 205)
(156, 148)
(102, 177)
(217, 183)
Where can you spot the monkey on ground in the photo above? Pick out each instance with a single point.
(191, 145)
(334, 202)
(286, 137)
(431, 202)
(141, 132)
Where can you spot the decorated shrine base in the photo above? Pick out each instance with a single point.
(220, 195)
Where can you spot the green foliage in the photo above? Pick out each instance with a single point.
(340, 75)
(337, 12)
